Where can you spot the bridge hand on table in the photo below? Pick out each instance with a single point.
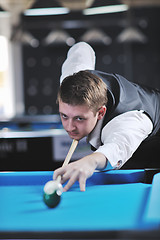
(80, 170)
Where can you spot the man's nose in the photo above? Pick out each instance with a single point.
(70, 125)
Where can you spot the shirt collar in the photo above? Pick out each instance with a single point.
(94, 138)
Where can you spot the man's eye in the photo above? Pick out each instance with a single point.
(64, 116)
(79, 118)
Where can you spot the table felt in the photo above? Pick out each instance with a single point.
(101, 207)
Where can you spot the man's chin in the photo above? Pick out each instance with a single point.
(75, 136)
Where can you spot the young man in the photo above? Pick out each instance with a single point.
(115, 114)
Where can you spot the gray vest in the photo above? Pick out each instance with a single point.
(124, 96)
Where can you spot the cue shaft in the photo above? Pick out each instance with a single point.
(69, 155)
(70, 152)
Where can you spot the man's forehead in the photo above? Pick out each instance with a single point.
(75, 110)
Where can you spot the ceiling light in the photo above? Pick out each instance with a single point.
(58, 37)
(25, 38)
(46, 11)
(105, 9)
(75, 5)
(96, 36)
(16, 6)
(131, 34)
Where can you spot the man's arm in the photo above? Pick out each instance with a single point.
(80, 57)
(122, 136)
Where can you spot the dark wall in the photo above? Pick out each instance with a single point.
(136, 61)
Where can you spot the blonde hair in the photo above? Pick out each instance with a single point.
(83, 88)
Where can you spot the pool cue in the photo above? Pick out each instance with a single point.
(68, 157)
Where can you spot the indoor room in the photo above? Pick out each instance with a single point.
(80, 119)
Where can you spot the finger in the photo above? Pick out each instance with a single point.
(67, 174)
(82, 184)
(58, 172)
(65, 178)
(71, 181)
(82, 180)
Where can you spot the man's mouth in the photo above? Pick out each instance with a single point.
(72, 133)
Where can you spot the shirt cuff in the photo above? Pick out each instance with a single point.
(113, 162)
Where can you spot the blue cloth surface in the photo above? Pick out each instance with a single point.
(118, 206)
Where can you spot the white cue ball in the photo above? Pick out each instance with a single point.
(53, 186)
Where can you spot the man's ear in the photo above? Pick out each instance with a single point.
(101, 112)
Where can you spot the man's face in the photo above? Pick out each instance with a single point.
(77, 120)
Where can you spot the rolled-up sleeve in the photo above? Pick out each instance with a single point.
(123, 135)
(81, 56)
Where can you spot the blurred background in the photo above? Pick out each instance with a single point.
(35, 36)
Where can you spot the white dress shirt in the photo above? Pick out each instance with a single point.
(80, 57)
(124, 133)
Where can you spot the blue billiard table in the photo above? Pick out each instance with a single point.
(117, 204)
